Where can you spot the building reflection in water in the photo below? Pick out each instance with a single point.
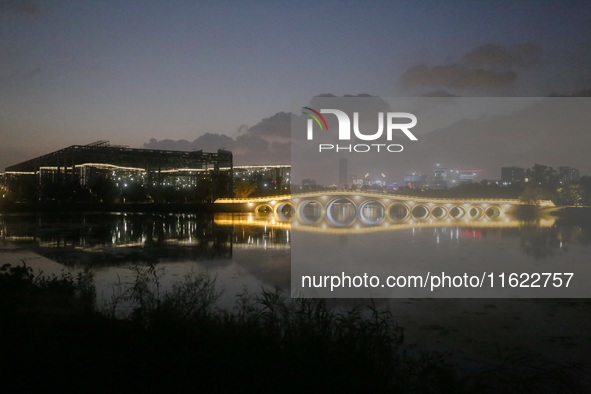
(124, 238)
(121, 238)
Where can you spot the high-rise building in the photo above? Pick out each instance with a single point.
(440, 178)
(511, 175)
(415, 181)
(446, 177)
(568, 174)
(343, 173)
(469, 176)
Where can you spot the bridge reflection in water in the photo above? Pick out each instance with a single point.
(270, 220)
(351, 212)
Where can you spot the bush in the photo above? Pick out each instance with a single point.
(20, 288)
(177, 338)
(191, 299)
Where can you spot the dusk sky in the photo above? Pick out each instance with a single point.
(73, 72)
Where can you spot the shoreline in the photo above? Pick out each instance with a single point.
(52, 207)
(570, 213)
(471, 334)
(578, 214)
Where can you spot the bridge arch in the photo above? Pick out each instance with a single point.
(398, 211)
(372, 212)
(420, 211)
(341, 212)
(493, 212)
(475, 212)
(284, 210)
(457, 212)
(263, 208)
(439, 212)
(310, 211)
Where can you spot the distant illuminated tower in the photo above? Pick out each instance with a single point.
(343, 173)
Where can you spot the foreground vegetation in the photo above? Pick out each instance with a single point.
(147, 339)
(166, 341)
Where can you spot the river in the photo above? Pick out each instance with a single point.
(250, 251)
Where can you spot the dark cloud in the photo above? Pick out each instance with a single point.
(209, 142)
(263, 143)
(358, 95)
(489, 66)
(456, 76)
(251, 143)
(267, 142)
(366, 102)
(169, 144)
(438, 93)
(496, 55)
(22, 7)
(278, 125)
(521, 138)
(243, 128)
(283, 149)
(580, 93)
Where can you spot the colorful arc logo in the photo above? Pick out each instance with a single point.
(316, 116)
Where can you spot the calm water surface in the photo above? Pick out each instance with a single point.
(253, 251)
(239, 255)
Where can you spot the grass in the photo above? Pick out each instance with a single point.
(54, 337)
(22, 291)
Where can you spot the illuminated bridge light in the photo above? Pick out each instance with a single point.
(343, 208)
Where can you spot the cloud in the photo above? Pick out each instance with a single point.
(264, 143)
(249, 143)
(489, 66)
(267, 142)
(278, 125)
(497, 55)
(209, 142)
(579, 93)
(22, 7)
(438, 93)
(366, 102)
(243, 128)
(456, 76)
(283, 149)
(169, 144)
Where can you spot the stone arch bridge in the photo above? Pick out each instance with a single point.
(343, 208)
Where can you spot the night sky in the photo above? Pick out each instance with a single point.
(73, 72)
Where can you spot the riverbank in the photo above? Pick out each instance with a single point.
(55, 338)
(60, 207)
(469, 343)
(571, 213)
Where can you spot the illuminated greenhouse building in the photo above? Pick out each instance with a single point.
(119, 173)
